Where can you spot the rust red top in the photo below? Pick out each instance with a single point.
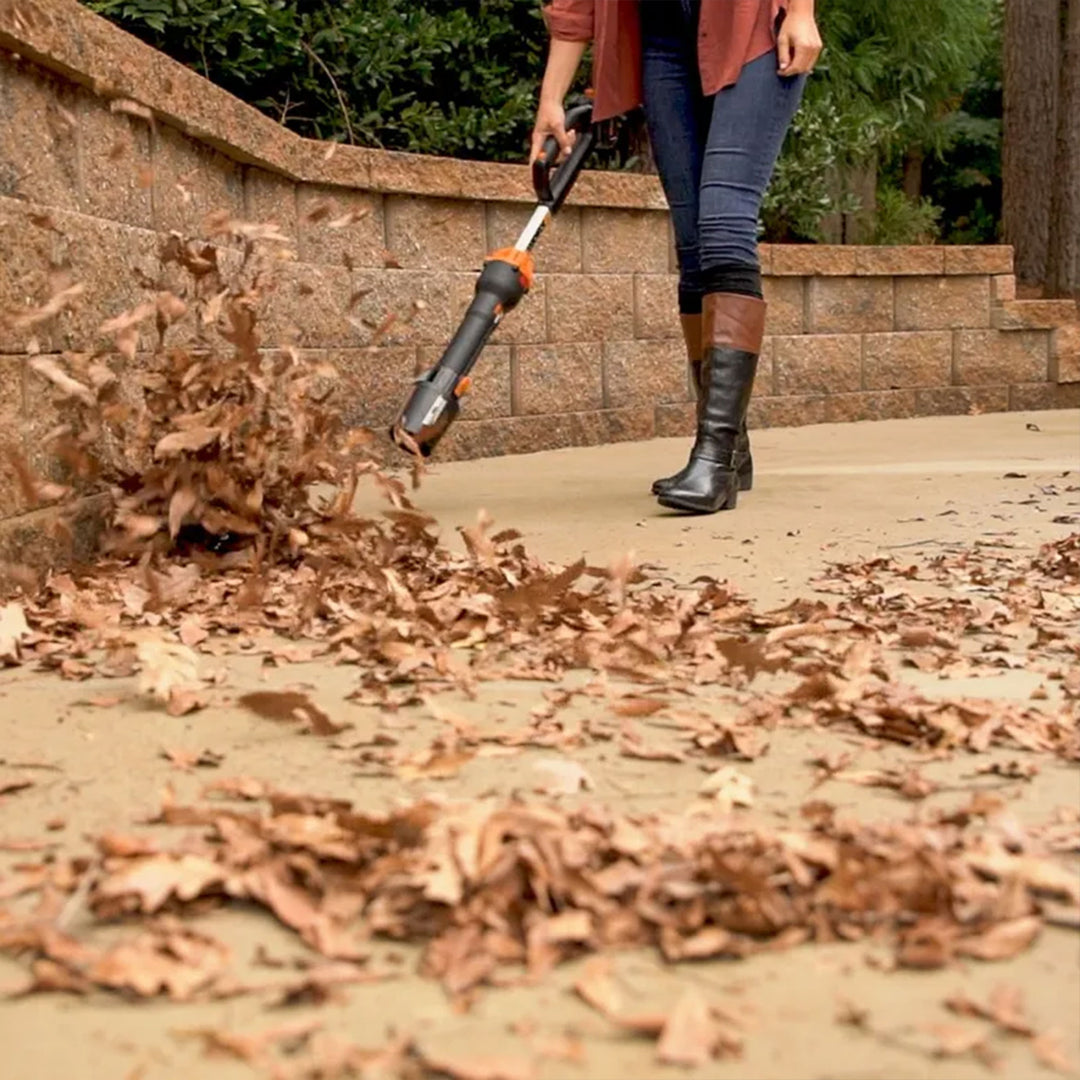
(731, 33)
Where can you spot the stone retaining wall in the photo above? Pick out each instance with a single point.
(107, 147)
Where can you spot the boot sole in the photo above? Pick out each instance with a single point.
(746, 483)
(728, 502)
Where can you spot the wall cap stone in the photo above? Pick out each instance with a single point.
(85, 48)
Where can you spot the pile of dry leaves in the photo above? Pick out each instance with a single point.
(498, 887)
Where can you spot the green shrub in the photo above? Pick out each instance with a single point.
(439, 77)
(460, 79)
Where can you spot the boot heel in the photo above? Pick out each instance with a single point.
(746, 475)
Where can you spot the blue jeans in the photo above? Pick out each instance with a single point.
(715, 154)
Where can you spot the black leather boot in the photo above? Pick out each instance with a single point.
(744, 463)
(733, 328)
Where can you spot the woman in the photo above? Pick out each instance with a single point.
(720, 81)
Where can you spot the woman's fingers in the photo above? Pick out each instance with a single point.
(798, 45)
(551, 124)
(785, 51)
(805, 56)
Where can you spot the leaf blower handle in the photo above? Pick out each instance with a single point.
(552, 187)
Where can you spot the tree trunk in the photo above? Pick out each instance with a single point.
(1031, 76)
(1063, 259)
(913, 173)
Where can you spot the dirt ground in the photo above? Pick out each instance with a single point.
(912, 489)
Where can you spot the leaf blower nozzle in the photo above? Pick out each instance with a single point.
(506, 277)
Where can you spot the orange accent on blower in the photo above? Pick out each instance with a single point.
(523, 260)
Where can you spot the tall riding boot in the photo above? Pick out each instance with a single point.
(732, 330)
(692, 335)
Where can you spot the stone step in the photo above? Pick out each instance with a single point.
(1035, 314)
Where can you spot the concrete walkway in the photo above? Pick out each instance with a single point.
(822, 493)
(910, 488)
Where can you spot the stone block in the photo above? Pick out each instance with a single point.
(117, 265)
(840, 305)
(590, 307)
(905, 360)
(942, 303)
(1036, 314)
(765, 379)
(767, 412)
(567, 377)
(53, 537)
(645, 373)
(1002, 288)
(990, 357)
(961, 400)
(191, 181)
(270, 199)
(808, 260)
(786, 297)
(532, 434)
(870, 405)
(435, 234)
(818, 364)
(558, 250)
(114, 164)
(676, 420)
(425, 307)
(339, 227)
(1065, 354)
(1042, 395)
(372, 385)
(624, 241)
(489, 395)
(978, 259)
(899, 261)
(39, 147)
(656, 306)
(11, 423)
(308, 307)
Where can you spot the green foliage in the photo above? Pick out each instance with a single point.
(900, 220)
(460, 79)
(894, 78)
(823, 141)
(440, 77)
(964, 178)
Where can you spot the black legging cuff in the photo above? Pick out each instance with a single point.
(744, 280)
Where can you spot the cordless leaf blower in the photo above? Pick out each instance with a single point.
(506, 277)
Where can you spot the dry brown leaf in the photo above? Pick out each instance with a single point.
(190, 440)
(290, 706)
(1049, 1051)
(1003, 940)
(472, 1066)
(955, 1040)
(691, 1034)
(435, 764)
(153, 881)
(166, 668)
(13, 628)
(729, 787)
(563, 777)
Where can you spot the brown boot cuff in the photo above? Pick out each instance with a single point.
(692, 328)
(734, 321)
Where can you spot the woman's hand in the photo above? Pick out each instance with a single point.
(562, 65)
(550, 120)
(799, 44)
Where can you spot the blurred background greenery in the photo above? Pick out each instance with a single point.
(898, 140)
